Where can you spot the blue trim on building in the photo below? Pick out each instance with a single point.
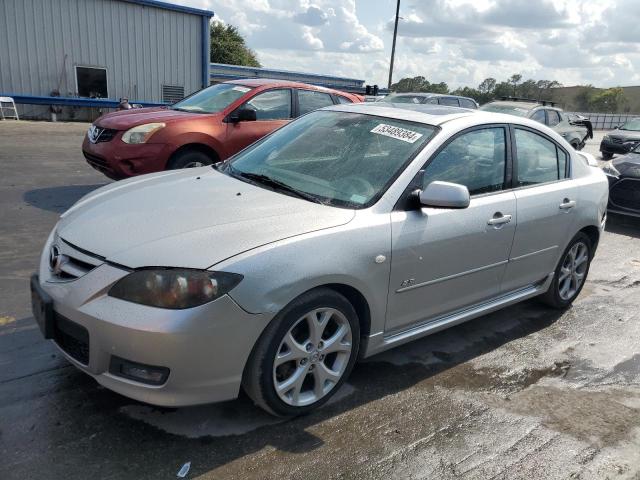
(205, 51)
(73, 101)
(292, 74)
(171, 6)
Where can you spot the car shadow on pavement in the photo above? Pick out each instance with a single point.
(623, 225)
(151, 442)
(58, 199)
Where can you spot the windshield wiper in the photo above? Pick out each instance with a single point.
(272, 182)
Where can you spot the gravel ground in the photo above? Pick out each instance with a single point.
(523, 393)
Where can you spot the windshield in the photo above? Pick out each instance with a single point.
(502, 108)
(336, 158)
(212, 99)
(632, 125)
(402, 99)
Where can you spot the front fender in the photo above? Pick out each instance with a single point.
(277, 273)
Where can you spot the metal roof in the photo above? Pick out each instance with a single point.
(171, 6)
(263, 70)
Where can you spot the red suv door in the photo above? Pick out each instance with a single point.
(273, 109)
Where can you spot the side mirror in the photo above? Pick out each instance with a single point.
(243, 115)
(445, 195)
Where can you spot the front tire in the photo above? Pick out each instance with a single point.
(189, 158)
(571, 273)
(304, 355)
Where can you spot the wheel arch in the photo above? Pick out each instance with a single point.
(197, 146)
(593, 233)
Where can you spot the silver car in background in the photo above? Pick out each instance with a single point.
(349, 231)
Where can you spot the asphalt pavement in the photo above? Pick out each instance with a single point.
(523, 393)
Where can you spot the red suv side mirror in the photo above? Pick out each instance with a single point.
(243, 115)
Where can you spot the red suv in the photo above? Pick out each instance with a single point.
(204, 128)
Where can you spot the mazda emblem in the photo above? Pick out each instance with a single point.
(55, 259)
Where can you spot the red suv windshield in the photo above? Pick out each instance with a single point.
(212, 99)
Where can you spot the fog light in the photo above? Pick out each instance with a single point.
(139, 372)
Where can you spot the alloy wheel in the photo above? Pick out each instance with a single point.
(312, 357)
(573, 271)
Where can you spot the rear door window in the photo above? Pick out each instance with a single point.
(308, 100)
(466, 103)
(449, 101)
(553, 118)
(342, 99)
(539, 159)
(538, 116)
(272, 105)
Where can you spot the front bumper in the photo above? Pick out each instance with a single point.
(624, 195)
(118, 160)
(205, 348)
(607, 146)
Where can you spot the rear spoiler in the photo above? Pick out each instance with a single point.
(584, 123)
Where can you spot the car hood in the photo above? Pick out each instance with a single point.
(191, 218)
(628, 165)
(126, 119)
(625, 134)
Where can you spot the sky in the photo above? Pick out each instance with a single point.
(460, 42)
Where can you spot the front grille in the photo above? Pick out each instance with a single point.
(626, 194)
(619, 141)
(98, 134)
(98, 163)
(72, 262)
(72, 338)
(106, 135)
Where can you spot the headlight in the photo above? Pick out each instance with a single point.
(141, 133)
(610, 169)
(606, 138)
(174, 288)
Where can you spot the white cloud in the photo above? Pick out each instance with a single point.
(460, 42)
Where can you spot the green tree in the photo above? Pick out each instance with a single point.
(419, 84)
(228, 46)
(611, 100)
(515, 80)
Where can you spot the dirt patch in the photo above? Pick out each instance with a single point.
(597, 418)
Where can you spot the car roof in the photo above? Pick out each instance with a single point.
(430, 114)
(524, 105)
(272, 82)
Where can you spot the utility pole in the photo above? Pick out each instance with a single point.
(393, 46)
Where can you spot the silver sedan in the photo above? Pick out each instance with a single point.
(349, 231)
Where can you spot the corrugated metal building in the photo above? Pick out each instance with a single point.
(220, 72)
(68, 52)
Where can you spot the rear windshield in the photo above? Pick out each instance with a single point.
(632, 125)
(212, 99)
(508, 109)
(402, 99)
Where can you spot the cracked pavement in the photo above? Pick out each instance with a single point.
(523, 393)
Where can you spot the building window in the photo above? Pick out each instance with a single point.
(92, 82)
(172, 93)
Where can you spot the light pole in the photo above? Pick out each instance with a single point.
(393, 46)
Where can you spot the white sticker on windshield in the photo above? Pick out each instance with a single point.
(398, 133)
(241, 89)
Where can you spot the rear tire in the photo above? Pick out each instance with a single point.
(570, 274)
(304, 355)
(189, 158)
(607, 156)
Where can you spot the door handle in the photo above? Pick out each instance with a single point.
(567, 204)
(499, 219)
